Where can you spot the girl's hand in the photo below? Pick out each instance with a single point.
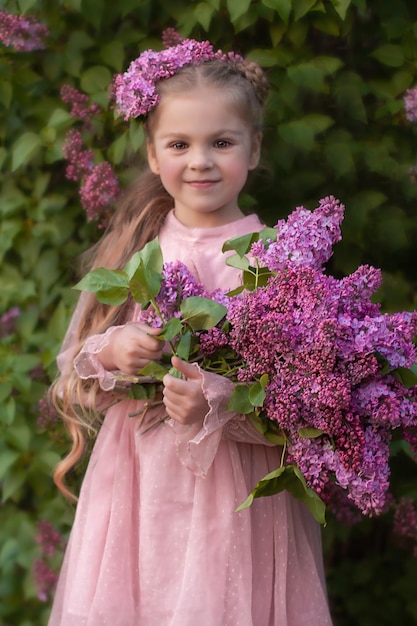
(183, 398)
(130, 348)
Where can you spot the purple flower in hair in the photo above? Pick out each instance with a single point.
(135, 90)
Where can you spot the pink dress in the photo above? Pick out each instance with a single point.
(156, 540)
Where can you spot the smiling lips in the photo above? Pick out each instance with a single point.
(201, 184)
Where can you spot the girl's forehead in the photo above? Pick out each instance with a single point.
(205, 106)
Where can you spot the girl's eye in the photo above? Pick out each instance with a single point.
(222, 143)
(178, 145)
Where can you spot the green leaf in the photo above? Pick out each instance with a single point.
(26, 5)
(256, 421)
(341, 7)
(274, 437)
(264, 380)
(302, 7)
(59, 118)
(282, 7)
(5, 390)
(203, 13)
(136, 135)
(237, 8)
(8, 412)
(7, 458)
(390, 55)
(240, 262)
(139, 391)
(150, 256)
(184, 345)
(24, 149)
(202, 313)
(257, 395)
(291, 479)
(301, 133)
(239, 400)
(96, 78)
(310, 433)
(241, 245)
(118, 148)
(110, 286)
(113, 55)
(269, 485)
(171, 329)
(298, 488)
(154, 369)
(257, 277)
(6, 93)
(268, 234)
(176, 373)
(145, 284)
(279, 56)
(12, 483)
(407, 376)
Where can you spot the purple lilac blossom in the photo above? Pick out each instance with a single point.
(405, 521)
(48, 538)
(170, 37)
(8, 321)
(304, 238)
(135, 90)
(80, 161)
(99, 190)
(80, 107)
(47, 415)
(330, 356)
(178, 283)
(23, 33)
(410, 104)
(45, 579)
(50, 541)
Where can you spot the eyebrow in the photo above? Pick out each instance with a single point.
(220, 133)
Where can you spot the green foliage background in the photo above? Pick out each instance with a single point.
(335, 125)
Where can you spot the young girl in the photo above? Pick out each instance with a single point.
(156, 540)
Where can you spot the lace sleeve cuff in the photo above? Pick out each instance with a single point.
(87, 364)
(197, 447)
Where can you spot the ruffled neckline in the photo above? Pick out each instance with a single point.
(205, 234)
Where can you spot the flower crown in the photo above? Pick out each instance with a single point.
(135, 90)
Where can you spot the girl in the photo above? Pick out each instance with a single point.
(156, 540)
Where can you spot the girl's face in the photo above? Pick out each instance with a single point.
(202, 149)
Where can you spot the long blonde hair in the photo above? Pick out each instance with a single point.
(138, 219)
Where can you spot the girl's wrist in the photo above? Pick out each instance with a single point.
(106, 356)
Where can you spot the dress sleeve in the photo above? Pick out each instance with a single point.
(70, 344)
(87, 364)
(197, 447)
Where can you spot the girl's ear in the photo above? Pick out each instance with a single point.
(152, 160)
(255, 151)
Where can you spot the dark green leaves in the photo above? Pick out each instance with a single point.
(202, 313)
(110, 286)
(291, 479)
(141, 276)
(248, 397)
(253, 277)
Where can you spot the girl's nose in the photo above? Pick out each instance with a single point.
(200, 160)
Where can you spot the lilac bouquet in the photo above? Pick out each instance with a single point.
(319, 369)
